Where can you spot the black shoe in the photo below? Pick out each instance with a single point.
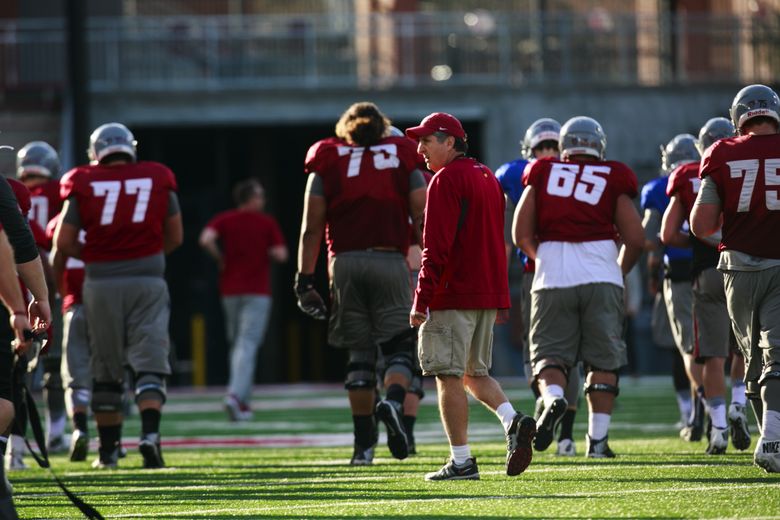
(694, 430)
(518, 444)
(79, 445)
(391, 413)
(548, 422)
(107, 459)
(598, 449)
(467, 471)
(538, 408)
(740, 433)
(362, 456)
(150, 450)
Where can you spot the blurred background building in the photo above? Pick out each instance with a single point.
(225, 89)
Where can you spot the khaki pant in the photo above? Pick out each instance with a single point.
(457, 342)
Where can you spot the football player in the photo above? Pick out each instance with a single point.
(364, 186)
(712, 326)
(676, 285)
(566, 222)
(739, 196)
(130, 213)
(38, 167)
(540, 141)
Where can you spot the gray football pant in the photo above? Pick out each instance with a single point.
(246, 320)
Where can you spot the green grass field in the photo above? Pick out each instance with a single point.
(655, 475)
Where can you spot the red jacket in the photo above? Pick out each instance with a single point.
(463, 261)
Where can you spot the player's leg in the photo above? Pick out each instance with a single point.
(53, 387)
(7, 509)
(414, 395)
(566, 444)
(77, 378)
(738, 424)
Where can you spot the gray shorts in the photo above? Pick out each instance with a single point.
(581, 323)
(660, 328)
(370, 298)
(75, 349)
(455, 342)
(127, 321)
(710, 315)
(678, 297)
(753, 299)
(527, 281)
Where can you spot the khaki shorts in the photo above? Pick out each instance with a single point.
(753, 299)
(581, 323)
(456, 342)
(710, 316)
(678, 297)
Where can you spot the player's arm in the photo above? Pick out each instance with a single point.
(629, 225)
(66, 235)
(524, 223)
(57, 260)
(417, 192)
(312, 225)
(11, 294)
(173, 230)
(672, 221)
(706, 214)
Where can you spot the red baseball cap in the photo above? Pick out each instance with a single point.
(437, 122)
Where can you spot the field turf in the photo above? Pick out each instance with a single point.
(291, 462)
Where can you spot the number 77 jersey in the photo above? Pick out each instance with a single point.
(746, 170)
(122, 207)
(575, 201)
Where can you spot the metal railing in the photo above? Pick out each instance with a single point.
(396, 50)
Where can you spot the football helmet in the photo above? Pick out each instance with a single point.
(713, 130)
(544, 129)
(680, 150)
(109, 139)
(754, 101)
(37, 158)
(582, 135)
(394, 131)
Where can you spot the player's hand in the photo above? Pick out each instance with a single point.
(416, 318)
(40, 314)
(22, 332)
(309, 300)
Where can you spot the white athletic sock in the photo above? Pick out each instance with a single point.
(460, 454)
(17, 444)
(551, 393)
(718, 415)
(685, 404)
(771, 425)
(598, 425)
(738, 393)
(506, 412)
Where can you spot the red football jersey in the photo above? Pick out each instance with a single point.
(22, 195)
(684, 182)
(123, 208)
(46, 202)
(575, 201)
(367, 192)
(74, 270)
(746, 170)
(247, 265)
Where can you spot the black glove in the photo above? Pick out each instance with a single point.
(309, 300)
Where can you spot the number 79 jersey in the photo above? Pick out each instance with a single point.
(575, 201)
(123, 208)
(367, 192)
(746, 170)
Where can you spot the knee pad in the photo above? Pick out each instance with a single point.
(150, 387)
(361, 370)
(546, 363)
(770, 372)
(400, 363)
(602, 387)
(106, 397)
(752, 390)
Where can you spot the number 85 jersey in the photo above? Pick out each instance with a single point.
(123, 208)
(575, 201)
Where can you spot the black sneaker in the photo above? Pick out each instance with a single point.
(391, 413)
(694, 430)
(518, 444)
(107, 459)
(79, 445)
(598, 449)
(362, 456)
(150, 450)
(538, 408)
(467, 471)
(548, 422)
(740, 433)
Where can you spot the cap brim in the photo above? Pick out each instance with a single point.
(417, 132)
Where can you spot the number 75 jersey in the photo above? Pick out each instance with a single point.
(123, 208)
(575, 201)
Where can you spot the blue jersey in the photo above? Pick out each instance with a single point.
(654, 197)
(510, 175)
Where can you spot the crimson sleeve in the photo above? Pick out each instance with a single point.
(15, 225)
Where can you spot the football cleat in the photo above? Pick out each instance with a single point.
(362, 456)
(450, 471)
(79, 446)
(718, 441)
(740, 433)
(598, 449)
(107, 459)
(236, 409)
(518, 444)
(566, 448)
(767, 454)
(548, 422)
(151, 452)
(391, 413)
